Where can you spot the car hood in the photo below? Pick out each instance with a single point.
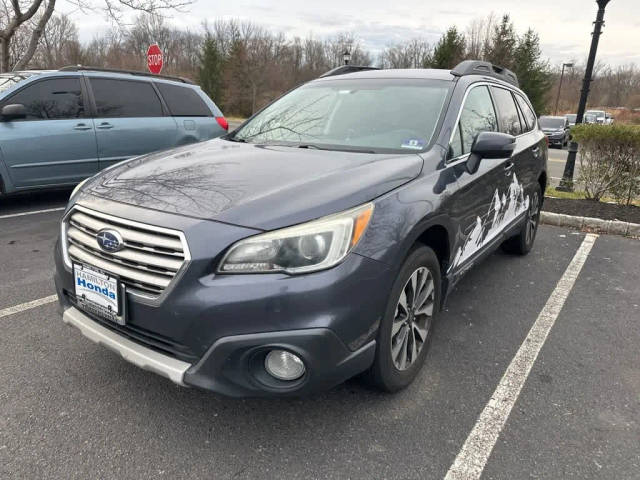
(262, 187)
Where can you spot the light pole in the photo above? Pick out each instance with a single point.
(566, 183)
(346, 56)
(568, 65)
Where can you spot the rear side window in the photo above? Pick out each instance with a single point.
(507, 111)
(529, 116)
(183, 101)
(123, 98)
(478, 115)
(54, 99)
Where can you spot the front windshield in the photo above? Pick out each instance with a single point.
(8, 80)
(365, 114)
(571, 117)
(550, 122)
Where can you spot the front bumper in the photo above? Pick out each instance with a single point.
(555, 140)
(133, 352)
(233, 366)
(219, 327)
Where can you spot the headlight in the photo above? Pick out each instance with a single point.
(304, 248)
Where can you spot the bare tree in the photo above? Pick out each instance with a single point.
(415, 53)
(16, 15)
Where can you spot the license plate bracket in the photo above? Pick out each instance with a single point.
(99, 293)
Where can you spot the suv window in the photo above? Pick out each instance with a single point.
(507, 111)
(124, 98)
(478, 115)
(183, 101)
(54, 99)
(529, 115)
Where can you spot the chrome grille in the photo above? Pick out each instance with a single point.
(147, 264)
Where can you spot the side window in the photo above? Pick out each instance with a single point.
(478, 115)
(54, 99)
(124, 98)
(507, 111)
(528, 113)
(183, 101)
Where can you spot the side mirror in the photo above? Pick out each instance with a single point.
(490, 145)
(14, 112)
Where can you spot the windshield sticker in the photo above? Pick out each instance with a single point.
(414, 144)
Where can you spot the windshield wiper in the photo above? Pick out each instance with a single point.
(336, 148)
(235, 139)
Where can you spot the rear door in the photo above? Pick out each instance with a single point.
(56, 143)
(533, 144)
(480, 202)
(195, 114)
(129, 119)
(517, 169)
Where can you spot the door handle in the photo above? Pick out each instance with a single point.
(82, 126)
(105, 126)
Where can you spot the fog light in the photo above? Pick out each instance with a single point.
(284, 365)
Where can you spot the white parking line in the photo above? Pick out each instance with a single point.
(12, 215)
(5, 312)
(475, 452)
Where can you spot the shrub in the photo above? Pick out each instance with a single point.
(609, 160)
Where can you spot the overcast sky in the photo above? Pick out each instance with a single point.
(564, 25)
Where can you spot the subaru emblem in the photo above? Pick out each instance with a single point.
(110, 240)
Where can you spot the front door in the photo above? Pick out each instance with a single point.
(56, 143)
(130, 120)
(483, 201)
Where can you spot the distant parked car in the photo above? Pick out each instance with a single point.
(589, 118)
(608, 120)
(556, 129)
(599, 114)
(59, 127)
(571, 118)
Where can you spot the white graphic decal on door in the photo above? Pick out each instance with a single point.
(504, 209)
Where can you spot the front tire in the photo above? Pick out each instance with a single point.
(405, 332)
(522, 243)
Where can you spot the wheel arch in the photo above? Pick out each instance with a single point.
(436, 237)
(542, 180)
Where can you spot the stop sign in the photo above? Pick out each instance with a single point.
(154, 59)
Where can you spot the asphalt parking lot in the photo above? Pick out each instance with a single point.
(71, 409)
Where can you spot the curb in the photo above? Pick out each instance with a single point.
(614, 227)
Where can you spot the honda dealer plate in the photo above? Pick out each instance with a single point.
(97, 292)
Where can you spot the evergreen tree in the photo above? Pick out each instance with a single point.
(500, 50)
(211, 69)
(450, 49)
(533, 72)
(239, 92)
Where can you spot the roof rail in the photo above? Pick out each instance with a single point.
(344, 69)
(479, 67)
(82, 68)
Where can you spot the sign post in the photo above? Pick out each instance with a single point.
(154, 59)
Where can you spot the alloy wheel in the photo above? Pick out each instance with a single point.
(532, 221)
(412, 321)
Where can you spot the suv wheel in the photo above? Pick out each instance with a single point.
(522, 243)
(405, 332)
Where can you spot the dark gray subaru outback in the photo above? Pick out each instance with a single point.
(316, 242)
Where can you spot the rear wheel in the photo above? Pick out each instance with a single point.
(522, 243)
(405, 331)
